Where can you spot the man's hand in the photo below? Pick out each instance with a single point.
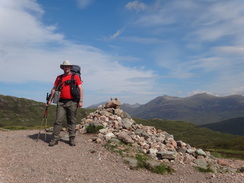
(80, 104)
(48, 103)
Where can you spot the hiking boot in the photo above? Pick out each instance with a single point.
(72, 141)
(53, 142)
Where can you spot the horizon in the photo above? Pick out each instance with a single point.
(104, 102)
(133, 50)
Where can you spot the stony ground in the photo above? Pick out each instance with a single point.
(22, 159)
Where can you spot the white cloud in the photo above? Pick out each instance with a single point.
(199, 92)
(136, 5)
(20, 24)
(237, 91)
(118, 32)
(84, 3)
(231, 50)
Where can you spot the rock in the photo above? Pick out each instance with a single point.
(109, 135)
(173, 143)
(95, 124)
(242, 169)
(118, 112)
(191, 151)
(113, 103)
(127, 123)
(152, 163)
(104, 113)
(131, 161)
(182, 150)
(152, 151)
(103, 131)
(139, 132)
(125, 115)
(99, 140)
(222, 162)
(200, 152)
(188, 158)
(180, 144)
(125, 138)
(201, 163)
(167, 155)
(159, 130)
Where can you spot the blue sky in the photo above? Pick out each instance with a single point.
(132, 50)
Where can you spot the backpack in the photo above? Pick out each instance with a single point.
(76, 70)
(75, 92)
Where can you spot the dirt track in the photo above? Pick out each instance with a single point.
(23, 160)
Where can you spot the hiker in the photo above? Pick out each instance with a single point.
(66, 105)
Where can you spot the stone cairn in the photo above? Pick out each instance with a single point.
(159, 144)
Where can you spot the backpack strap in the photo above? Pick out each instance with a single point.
(73, 78)
(59, 86)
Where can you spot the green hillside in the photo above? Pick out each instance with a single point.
(233, 126)
(24, 112)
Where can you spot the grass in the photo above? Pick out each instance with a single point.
(141, 160)
(233, 148)
(93, 129)
(16, 128)
(227, 153)
(203, 170)
(162, 169)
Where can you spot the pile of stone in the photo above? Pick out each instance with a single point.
(159, 144)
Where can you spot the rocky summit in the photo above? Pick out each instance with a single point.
(115, 124)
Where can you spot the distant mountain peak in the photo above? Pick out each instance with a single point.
(167, 97)
(204, 94)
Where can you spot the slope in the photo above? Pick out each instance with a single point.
(233, 126)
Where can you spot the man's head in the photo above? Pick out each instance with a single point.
(66, 63)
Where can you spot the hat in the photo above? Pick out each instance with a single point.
(65, 63)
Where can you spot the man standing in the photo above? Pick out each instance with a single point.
(67, 104)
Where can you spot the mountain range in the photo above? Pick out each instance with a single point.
(198, 109)
(223, 114)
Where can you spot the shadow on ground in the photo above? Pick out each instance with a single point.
(45, 137)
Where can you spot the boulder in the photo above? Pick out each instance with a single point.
(170, 155)
(125, 138)
(113, 103)
(202, 163)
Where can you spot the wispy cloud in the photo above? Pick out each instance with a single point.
(144, 40)
(84, 3)
(231, 50)
(117, 33)
(237, 91)
(136, 5)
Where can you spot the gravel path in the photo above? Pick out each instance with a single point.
(23, 160)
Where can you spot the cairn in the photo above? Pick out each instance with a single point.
(160, 145)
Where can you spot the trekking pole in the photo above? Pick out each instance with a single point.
(44, 120)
